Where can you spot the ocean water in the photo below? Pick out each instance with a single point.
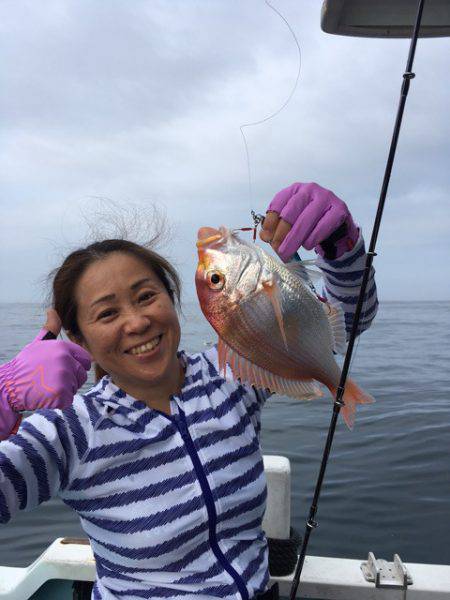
(387, 486)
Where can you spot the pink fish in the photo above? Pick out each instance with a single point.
(274, 331)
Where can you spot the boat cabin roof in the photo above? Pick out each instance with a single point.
(385, 18)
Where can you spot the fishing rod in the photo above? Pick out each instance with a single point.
(311, 522)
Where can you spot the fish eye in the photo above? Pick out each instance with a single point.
(216, 280)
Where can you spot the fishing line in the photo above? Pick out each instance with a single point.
(277, 112)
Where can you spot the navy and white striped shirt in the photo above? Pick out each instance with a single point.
(173, 505)
(343, 278)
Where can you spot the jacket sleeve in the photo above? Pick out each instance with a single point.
(342, 282)
(37, 462)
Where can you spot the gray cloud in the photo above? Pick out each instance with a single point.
(142, 101)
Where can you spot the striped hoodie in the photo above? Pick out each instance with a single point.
(173, 505)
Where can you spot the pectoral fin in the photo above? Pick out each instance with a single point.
(272, 290)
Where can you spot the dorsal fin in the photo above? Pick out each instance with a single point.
(301, 269)
(336, 319)
(272, 290)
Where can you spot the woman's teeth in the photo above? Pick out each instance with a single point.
(146, 347)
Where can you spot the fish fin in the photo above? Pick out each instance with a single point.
(336, 319)
(247, 372)
(222, 356)
(301, 269)
(353, 395)
(272, 290)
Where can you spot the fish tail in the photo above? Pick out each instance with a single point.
(353, 395)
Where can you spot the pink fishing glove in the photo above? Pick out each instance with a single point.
(308, 215)
(45, 374)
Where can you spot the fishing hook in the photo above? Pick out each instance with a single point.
(257, 220)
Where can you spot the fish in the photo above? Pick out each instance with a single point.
(275, 332)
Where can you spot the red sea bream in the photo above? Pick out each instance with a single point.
(274, 331)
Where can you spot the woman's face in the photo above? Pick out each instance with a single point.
(129, 324)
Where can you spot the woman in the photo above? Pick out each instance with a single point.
(161, 459)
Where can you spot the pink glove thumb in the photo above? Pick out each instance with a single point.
(45, 374)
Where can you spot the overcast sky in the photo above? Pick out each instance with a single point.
(141, 102)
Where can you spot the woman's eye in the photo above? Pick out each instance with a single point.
(105, 314)
(146, 296)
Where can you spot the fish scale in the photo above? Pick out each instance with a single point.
(258, 320)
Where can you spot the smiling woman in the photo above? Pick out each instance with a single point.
(162, 447)
(117, 300)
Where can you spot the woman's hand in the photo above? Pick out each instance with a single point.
(46, 374)
(308, 215)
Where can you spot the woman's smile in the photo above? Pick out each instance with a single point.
(146, 348)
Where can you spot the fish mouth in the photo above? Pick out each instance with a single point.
(208, 240)
(208, 235)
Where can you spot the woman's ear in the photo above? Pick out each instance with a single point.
(77, 339)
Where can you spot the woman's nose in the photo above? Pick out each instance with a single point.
(136, 322)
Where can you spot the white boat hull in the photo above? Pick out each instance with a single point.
(68, 560)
